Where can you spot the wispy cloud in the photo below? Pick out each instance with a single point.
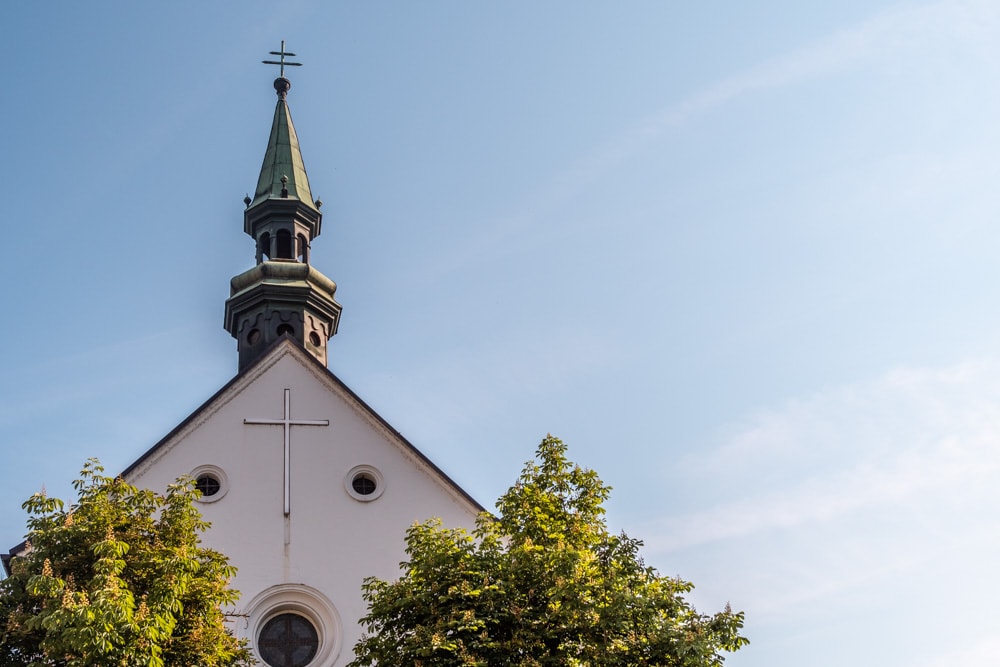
(984, 652)
(864, 496)
(912, 437)
(882, 39)
(886, 34)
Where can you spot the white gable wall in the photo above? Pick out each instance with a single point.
(313, 561)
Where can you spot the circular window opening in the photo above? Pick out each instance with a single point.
(286, 329)
(292, 624)
(253, 337)
(288, 640)
(364, 483)
(211, 480)
(314, 338)
(209, 485)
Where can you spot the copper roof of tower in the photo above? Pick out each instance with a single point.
(283, 174)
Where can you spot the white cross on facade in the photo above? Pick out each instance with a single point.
(287, 423)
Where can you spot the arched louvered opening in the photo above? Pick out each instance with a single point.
(263, 247)
(303, 248)
(284, 245)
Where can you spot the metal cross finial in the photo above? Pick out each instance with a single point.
(281, 62)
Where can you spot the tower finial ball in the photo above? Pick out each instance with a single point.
(282, 86)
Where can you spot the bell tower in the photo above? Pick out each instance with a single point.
(283, 295)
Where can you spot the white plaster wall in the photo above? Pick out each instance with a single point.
(333, 540)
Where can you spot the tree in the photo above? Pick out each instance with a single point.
(118, 580)
(543, 583)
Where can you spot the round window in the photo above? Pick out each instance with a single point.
(253, 337)
(292, 624)
(364, 483)
(211, 481)
(314, 338)
(288, 640)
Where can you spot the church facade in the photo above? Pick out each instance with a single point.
(308, 490)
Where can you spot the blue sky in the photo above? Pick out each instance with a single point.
(742, 259)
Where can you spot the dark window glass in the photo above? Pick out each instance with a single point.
(288, 640)
(207, 484)
(363, 484)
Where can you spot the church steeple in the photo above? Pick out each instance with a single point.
(283, 294)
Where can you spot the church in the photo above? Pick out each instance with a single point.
(307, 488)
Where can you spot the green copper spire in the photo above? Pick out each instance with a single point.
(283, 174)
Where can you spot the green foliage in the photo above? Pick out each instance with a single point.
(119, 580)
(541, 584)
